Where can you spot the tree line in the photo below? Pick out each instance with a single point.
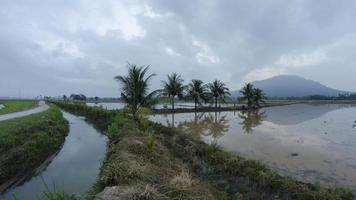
(136, 93)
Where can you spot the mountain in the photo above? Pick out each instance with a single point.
(292, 86)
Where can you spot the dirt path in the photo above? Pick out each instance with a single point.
(42, 106)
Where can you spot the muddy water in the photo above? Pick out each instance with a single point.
(309, 142)
(74, 169)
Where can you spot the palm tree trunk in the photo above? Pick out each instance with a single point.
(195, 103)
(173, 103)
(172, 120)
(216, 102)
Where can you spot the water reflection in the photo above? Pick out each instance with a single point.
(309, 142)
(195, 126)
(251, 119)
(216, 125)
(206, 124)
(299, 113)
(84, 146)
(170, 122)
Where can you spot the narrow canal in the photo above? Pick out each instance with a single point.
(73, 169)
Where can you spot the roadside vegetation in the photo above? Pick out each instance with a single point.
(146, 160)
(16, 105)
(27, 142)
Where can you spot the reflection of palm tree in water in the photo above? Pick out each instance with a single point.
(251, 119)
(216, 126)
(170, 123)
(195, 126)
(210, 125)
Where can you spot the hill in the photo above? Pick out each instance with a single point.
(292, 86)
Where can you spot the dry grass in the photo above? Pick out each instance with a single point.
(142, 171)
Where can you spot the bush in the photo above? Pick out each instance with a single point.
(119, 126)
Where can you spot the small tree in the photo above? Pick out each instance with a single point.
(247, 92)
(254, 96)
(196, 90)
(173, 87)
(258, 97)
(135, 92)
(218, 91)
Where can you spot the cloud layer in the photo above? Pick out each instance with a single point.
(62, 47)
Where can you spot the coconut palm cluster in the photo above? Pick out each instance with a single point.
(136, 92)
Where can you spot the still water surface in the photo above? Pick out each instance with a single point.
(309, 142)
(113, 106)
(74, 169)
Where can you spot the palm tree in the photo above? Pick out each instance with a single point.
(218, 90)
(197, 91)
(258, 97)
(135, 91)
(254, 96)
(248, 93)
(173, 87)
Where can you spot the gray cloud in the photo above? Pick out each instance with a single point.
(57, 47)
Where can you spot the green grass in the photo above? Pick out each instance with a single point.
(16, 105)
(28, 141)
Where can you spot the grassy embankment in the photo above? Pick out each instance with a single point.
(150, 161)
(16, 105)
(27, 142)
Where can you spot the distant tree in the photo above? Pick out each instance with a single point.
(80, 97)
(173, 87)
(258, 97)
(96, 98)
(197, 91)
(253, 96)
(65, 98)
(247, 92)
(135, 91)
(218, 91)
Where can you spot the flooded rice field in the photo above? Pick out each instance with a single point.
(313, 143)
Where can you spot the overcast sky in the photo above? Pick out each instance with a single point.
(53, 47)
